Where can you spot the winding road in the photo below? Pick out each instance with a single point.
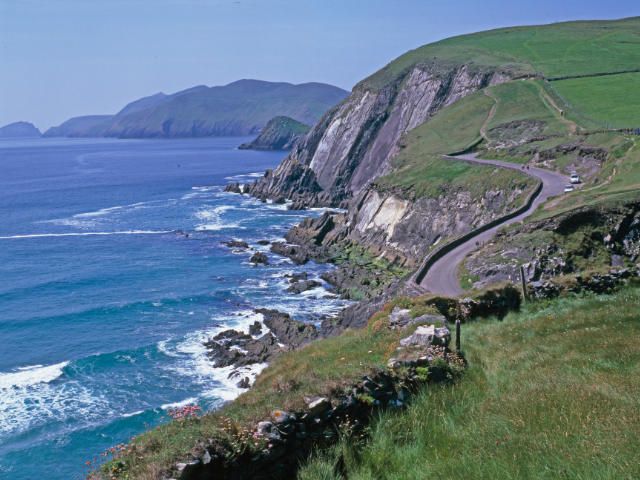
(442, 277)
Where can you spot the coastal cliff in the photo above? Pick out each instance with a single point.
(353, 144)
(356, 143)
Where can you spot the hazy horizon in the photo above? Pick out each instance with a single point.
(69, 58)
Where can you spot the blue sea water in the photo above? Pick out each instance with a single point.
(112, 274)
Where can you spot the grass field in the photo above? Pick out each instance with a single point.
(525, 100)
(572, 48)
(552, 392)
(612, 101)
(420, 168)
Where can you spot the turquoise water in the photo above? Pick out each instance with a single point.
(112, 274)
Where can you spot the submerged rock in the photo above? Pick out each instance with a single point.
(259, 258)
(236, 244)
(303, 286)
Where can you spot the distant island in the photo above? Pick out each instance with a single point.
(279, 134)
(19, 130)
(240, 108)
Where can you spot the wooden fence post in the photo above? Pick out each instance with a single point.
(523, 283)
(458, 335)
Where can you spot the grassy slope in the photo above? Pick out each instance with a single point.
(525, 100)
(572, 48)
(552, 392)
(613, 101)
(420, 168)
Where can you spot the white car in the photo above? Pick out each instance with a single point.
(568, 188)
(575, 178)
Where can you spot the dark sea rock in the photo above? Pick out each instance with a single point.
(303, 286)
(236, 244)
(296, 253)
(259, 258)
(287, 330)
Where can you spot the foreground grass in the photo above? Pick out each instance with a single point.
(552, 392)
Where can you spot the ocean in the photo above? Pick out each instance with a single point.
(112, 274)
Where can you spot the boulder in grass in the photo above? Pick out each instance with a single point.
(317, 405)
(426, 335)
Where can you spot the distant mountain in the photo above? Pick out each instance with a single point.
(19, 130)
(85, 126)
(239, 108)
(280, 133)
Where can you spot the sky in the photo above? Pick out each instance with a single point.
(62, 58)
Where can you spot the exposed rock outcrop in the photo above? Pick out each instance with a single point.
(583, 238)
(353, 143)
(239, 349)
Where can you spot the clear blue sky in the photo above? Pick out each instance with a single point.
(60, 58)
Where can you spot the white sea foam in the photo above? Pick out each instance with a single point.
(201, 191)
(182, 403)
(132, 414)
(245, 176)
(91, 219)
(85, 234)
(213, 218)
(32, 375)
(101, 212)
(29, 397)
(216, 382)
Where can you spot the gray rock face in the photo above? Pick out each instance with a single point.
(584, 234)
(404, 230)
(238, 349)
(353, 143)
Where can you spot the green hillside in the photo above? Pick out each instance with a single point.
(523, 118)
(279, 133)
(552, 392)
(562, 49)
(612, 101)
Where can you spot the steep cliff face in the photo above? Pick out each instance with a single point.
(404, 231)
(354, 143)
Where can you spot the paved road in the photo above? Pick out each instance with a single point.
(442, 277)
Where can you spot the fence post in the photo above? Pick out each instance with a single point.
(458, 335)
(523, 283)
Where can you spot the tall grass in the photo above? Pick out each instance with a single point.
(552, 392)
